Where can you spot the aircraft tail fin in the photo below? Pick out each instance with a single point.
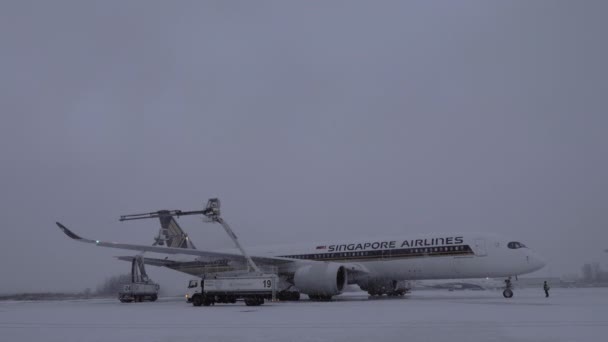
(171, 234)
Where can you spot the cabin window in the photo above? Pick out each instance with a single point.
(193, 283)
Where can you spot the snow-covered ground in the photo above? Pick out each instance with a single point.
(568, 315)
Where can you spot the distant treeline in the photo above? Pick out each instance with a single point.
(112, 285)
(47, 296)
(108, 288)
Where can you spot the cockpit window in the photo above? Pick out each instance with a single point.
(515, 245)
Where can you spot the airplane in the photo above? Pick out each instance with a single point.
(378, 265)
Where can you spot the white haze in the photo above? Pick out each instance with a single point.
(311, 120)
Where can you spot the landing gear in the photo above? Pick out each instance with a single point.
(395, 293)
(288, 296)
(320, 298)
(380, 287)
(508, 291)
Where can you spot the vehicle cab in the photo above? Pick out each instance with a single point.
(194, 286)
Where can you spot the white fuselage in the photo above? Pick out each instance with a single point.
(437, 256)
(433, 256)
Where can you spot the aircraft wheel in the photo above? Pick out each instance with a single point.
(320, 298)
(507, 293)
(283, 295)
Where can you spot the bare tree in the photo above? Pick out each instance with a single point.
(111, 286)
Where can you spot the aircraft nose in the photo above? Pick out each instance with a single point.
(536, 261)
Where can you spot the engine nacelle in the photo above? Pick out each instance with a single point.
(321, 279)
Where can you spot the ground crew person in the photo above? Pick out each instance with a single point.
(546, 288)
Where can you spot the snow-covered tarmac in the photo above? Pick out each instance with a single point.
(568, 315)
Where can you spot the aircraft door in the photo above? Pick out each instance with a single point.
(480, 247)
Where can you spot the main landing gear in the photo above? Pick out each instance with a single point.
(319, 298)
(395, 293)
(288, 296)
(390, 288)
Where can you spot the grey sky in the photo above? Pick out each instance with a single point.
(310, 120)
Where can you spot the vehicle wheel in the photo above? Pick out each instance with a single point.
(197, 301)
(508, 293)
(207, 301)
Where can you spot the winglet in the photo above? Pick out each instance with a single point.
(68, 232)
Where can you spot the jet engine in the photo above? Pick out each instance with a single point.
(321, 280)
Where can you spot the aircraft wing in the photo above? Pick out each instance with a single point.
(173, 250)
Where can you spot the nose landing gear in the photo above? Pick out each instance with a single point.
(508, 291)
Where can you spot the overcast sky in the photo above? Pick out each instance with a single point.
(311, 120)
